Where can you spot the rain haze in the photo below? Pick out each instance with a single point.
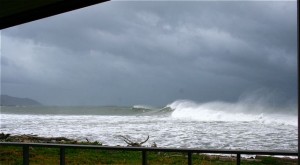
(153, 53)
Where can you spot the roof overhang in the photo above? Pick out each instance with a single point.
(14, 13)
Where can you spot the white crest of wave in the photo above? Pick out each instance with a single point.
(142, 107)
(224, 111)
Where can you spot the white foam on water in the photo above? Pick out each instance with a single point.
(165, 131)
(183, 123)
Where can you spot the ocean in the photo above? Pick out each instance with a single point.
(183, 123)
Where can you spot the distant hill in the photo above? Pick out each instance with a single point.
(6, 100)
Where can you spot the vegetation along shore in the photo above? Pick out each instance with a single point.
(40, 155)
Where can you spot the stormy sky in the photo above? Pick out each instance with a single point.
(153, 53)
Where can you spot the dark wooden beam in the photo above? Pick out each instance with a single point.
(58, 7)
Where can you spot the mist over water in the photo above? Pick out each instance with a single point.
(262, 105)
(224, 111)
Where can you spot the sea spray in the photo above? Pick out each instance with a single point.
(224, 111)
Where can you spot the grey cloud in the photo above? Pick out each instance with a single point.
(128, 53)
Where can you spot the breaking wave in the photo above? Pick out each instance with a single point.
(224, 111)
(151, 111)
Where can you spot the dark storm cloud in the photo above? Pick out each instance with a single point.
(154, 53)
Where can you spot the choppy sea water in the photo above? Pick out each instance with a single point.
(177, 125)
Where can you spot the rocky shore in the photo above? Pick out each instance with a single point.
(37, 139)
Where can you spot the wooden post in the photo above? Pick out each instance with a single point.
(25, 155)
(62, 155)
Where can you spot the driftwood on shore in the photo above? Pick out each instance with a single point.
(133, 144)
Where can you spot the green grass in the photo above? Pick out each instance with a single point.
(39, 155)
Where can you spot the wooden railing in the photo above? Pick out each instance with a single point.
(144, 151)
